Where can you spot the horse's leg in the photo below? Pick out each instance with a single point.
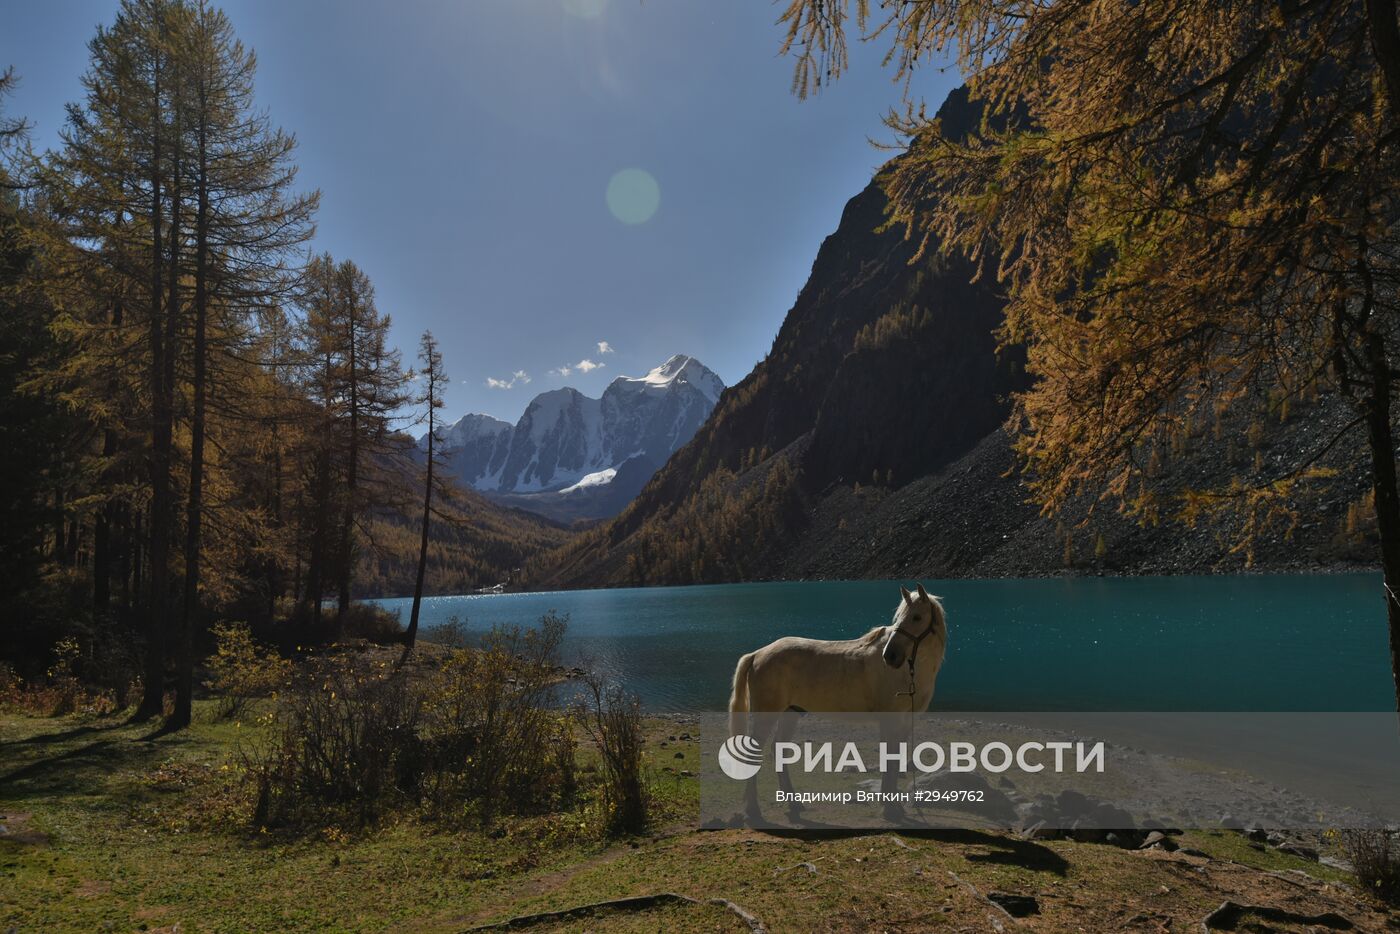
(894, 729)
(787, 726)
(762, 725)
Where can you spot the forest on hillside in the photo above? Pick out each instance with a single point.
(202, 418)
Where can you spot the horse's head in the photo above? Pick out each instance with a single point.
(918, 620)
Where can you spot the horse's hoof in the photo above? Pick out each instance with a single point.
(894, 813)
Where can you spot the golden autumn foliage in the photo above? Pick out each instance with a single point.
(1192, 207)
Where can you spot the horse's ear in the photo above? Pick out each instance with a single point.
(908, 597)
(922, 592)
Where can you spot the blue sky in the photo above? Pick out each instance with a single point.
(475, 158)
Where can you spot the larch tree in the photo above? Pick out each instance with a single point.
(1190, 206)
(247, 223)
(434, 380)
(36, 430)
(318, 345)
(112, 184)
(358, 382)
(175, 223)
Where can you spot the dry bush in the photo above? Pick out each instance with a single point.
(345, 747)
(240, 669)
(1375, 855)
(62, 690)
(613, 717)
(491, 713)
(373, 622)
(452, 634)
(477, 738)
(11, 689)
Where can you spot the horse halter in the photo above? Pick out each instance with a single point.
(914, 653)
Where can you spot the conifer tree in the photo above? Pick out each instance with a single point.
(359, 384)
(434, 380)
(246, 225)
(113, 184)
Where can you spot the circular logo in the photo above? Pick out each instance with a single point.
(741, 757)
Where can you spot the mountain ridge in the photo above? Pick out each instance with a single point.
(563, 455)
(847, 452)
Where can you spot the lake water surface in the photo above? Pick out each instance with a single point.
(1264, 643)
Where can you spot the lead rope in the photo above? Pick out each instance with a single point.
(910, 692)
(913, 654)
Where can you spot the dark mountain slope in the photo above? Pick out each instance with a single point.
(883, 371)
(869, 443)
(972, 518)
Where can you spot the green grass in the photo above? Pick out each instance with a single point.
(151, 831)
(147, 832)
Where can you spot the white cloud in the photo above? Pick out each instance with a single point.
(519, 376)
(604, 347)
(583, 366)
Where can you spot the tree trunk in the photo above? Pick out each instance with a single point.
(320, 533)
(1385, 46)
(102, 562)
(412, 633)
(106, 516)
(172, 335)
(137, 558)
(194, 510)
(352, 477)
(1387, 496)
(153, 681)
(122, 521)
(60, 529)
(316, 568)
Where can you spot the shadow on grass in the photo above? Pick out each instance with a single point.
(112, 722)
(83, 767)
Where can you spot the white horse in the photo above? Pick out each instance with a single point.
(891, 669)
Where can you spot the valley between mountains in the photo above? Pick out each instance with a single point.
(871, 442)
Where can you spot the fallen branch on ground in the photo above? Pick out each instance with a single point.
(811, 869)
(630, 903)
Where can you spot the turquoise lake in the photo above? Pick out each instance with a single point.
(1254, 643)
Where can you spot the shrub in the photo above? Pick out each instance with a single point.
(478, 737)
(112, 661)
(62, 675)
(371, 621)
(492, 707)
(452, 634)
(62, 690)
(240, 669)
(346, 748)
(614, 719)
(1375, 855)
(11, 688)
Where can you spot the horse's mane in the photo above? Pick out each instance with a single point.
(872, 636)
(899, 613)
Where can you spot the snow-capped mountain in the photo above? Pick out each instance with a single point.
(573, 445)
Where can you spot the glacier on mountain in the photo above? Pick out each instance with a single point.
(567, 442)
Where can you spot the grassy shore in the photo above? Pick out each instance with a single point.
(110, 828)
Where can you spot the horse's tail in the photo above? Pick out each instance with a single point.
(739, 697)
